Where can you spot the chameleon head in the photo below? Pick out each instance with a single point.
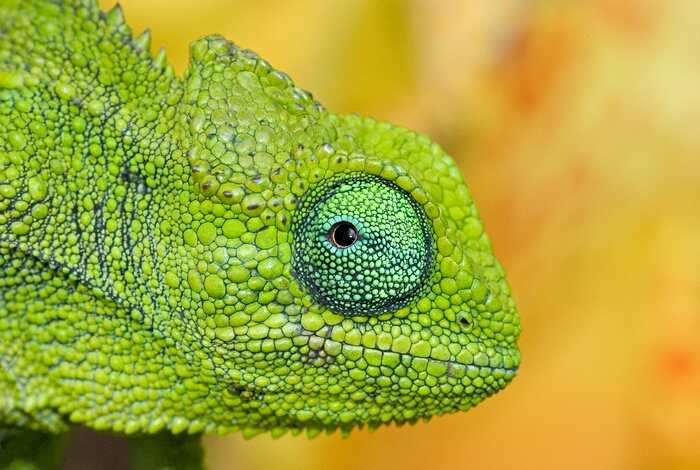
(332, 271)
(339, 273)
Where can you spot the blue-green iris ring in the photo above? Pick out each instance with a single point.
(389, 264)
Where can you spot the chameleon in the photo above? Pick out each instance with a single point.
(219, 252)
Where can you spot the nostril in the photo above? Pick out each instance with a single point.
(464, 321)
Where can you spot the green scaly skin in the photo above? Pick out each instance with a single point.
(221, 253)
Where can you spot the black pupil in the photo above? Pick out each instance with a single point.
(343, 234)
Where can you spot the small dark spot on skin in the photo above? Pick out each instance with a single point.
(450, 372)
(276, 203)
(300, 184)
(464, 322)
(300, 148)
(207, 185)
(228, 194)
(135, 179)
(235, 389)
(277, 172)
(339, 160)
(293, 200)
(243, 392)
(256, 179)
(230, 134)
(211, 135)
(253, 206)
(196, 169)
(283, 219)
(251, 154)
(302, 95)
(143, 189)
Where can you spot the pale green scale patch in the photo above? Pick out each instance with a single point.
(206, 233)
(7, 191)
(11, 79)
(172, 279)
(214, 286)
(238, 274)
(270, 268)
(19, 228)
(65, 91)
(38, 129)
(95, 108)
(266, 238)
(17, 140)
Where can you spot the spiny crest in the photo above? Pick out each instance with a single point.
(115, 16)
(141, 43)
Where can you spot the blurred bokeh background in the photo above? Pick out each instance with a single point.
(577, 127)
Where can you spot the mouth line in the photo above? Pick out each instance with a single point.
(319, 351)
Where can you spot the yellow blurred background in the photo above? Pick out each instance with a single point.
(577, 127)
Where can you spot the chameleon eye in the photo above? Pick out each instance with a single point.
(343, 234)
(362, 245)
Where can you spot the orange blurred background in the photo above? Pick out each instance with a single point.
(577, 127)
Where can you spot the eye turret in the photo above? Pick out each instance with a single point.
(362, 245)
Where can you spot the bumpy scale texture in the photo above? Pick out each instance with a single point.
(166, 260)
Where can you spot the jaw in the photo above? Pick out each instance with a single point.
(331, 393)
